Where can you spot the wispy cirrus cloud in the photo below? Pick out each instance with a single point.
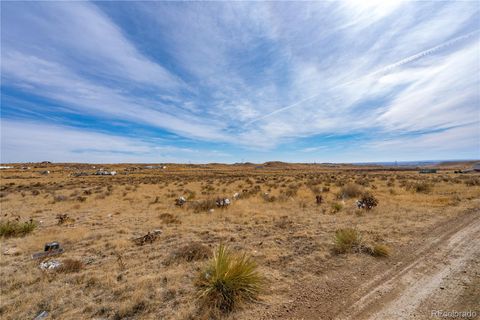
(260, 77)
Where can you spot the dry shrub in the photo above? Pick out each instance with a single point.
(350, 240)
(347, 240)
(283, 223)
(70, 265)
(14, 228)
(130, 310)
(350, 190)
(191, 252)
(169, 218)
(420, 187)
(336, 207)
(291, 191)
(64, 219)
(380, 250)
(203, 205)
(367, 201)
(228, 281)
(471, 182)
(268, 198)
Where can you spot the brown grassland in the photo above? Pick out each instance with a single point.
(276, 220)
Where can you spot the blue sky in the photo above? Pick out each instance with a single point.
(351, 81)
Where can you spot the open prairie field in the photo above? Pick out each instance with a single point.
(133, 251)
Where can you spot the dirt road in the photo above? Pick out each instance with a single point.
(440, 272)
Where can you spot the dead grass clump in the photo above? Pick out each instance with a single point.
(129, 311)
(283, 223)
(291, 191)
(380, 250)
(70, 266)
(191, 252)
(169, 218)
(228, 281)
(350, 190)
(247, 193)
(419, 187)
(471, 182)
(64, 219)
(14, 228)
(150, 237)
(336, 207)
(203, 205)
(268, 198)
(347, 240)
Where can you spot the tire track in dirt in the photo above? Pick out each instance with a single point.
(401, 287)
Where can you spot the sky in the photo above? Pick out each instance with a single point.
(154, 82)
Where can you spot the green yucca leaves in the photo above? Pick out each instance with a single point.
(229, 280)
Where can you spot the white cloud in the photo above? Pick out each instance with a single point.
(80, 35)
(22, 140)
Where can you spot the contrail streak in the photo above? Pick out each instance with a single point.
(382, 70)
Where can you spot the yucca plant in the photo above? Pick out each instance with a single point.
(228, 281)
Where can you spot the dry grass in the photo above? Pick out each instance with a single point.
(14, 228)
(350, 190)
(191, 252)
(70, 265)
(380, 250)
(347, 240)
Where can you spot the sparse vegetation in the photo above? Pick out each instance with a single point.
(350, 190)
(191, 252)
(290, 235)
(70, 266)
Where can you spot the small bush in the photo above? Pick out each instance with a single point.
(380, 250)
(367, 202)
(169, 218)
(228, 281)
(336, 207)
(191, 252)
(350, 190)
(16, 229)
(420, 187)
(64, 219)
(347, 240)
